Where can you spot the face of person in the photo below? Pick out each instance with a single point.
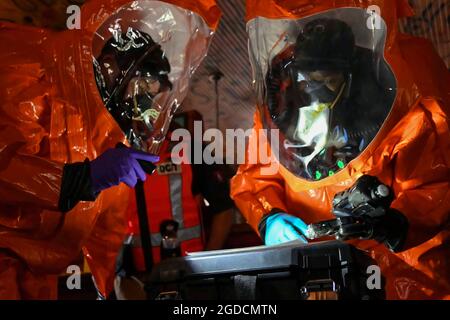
(332, 80)
(139, 86)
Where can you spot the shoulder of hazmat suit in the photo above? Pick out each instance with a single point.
(52, 114)
(410, 153)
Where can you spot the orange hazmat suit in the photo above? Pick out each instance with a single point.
(410, 153)
(52, 114)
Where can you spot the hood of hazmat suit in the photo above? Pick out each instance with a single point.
(346, 94)
(71, 95)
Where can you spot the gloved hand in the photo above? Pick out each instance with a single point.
(364, 211)
(279, 227)
(118, 165)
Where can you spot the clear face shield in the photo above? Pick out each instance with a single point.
(144, 57)
(322, 82)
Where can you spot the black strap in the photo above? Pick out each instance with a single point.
(262, 222)
(141, 204)
(76, 185)
(144, 225)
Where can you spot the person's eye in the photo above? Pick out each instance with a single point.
(151, 81)
(303, 85)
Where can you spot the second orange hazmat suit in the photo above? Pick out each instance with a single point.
(52, 114)
(411, 154)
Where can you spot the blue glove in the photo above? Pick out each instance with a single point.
(118, 165)
(282, 227)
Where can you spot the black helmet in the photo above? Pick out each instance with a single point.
(325, 44)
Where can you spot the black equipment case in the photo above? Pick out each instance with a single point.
(289, 271)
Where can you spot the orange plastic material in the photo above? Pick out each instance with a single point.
(51, 113)
(411, 154)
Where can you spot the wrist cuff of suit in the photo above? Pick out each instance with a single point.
(76, 185)
(392, 230)
(262, 223)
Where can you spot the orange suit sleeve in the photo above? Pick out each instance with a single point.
(254, 191)
(421, 170)
(27, 177)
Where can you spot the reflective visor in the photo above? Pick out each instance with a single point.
(144, 57)
(322, 81)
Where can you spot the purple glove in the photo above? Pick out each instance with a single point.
(118, 165)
